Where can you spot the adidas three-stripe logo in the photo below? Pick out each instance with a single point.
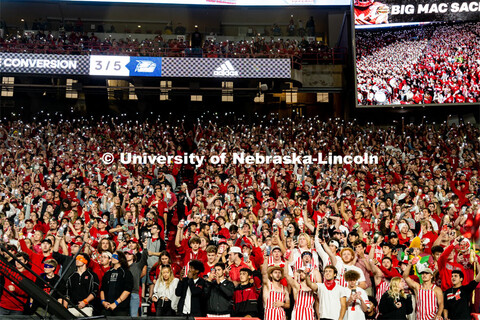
(226, 69)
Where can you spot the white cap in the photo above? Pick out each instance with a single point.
(235, 250)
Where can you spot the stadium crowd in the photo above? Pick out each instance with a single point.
(421, 65)
(82, 43)
(277, 241)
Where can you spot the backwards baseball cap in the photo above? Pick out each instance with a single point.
(334, 242)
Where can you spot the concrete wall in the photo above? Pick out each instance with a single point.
(320, 76)
(334, 27)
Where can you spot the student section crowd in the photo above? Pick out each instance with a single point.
(390, 240)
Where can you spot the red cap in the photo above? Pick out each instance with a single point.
(216, 222)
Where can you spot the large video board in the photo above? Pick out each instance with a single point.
(417, 52)
(126, 66)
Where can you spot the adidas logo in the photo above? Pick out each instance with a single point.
(226, 69)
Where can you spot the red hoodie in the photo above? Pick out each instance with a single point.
(36, 259)
(10, 303)
(446, 267)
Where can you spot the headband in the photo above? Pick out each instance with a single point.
(82, 259)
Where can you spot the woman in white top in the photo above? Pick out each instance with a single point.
(164, 293)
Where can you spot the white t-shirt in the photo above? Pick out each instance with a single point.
(358, 313)
(329, 305)
(342, 268)
(188, 299)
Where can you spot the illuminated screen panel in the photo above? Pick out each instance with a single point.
(126, 66)
(417, 52)
(237, 2)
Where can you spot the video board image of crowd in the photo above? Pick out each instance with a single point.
(415, 58)
(419, 65)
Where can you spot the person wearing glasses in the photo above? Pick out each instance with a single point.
(81, 288)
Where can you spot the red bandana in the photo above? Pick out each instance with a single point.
(330, 284)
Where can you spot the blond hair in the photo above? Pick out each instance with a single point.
(395, 291)
(307, 237)
(170, 279)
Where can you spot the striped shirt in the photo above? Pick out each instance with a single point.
(427, 304)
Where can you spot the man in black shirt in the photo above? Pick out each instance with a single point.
(457, 298)
(190, 290)
(196, 38)
(81, 287)
(117, 285)
(65, 260)
(219, 293)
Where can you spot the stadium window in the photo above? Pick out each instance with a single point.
(322, 97)
(165, 88)
(165, 84)
(227, 84)
(227, 98)
(71, 93)
(117, 89)
(291, 96)
(131, 92)
(197, 98)
(259, 99)
(227, 91)
(7, 86)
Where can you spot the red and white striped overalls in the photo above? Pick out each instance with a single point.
(303, 309)
(272, 263)
(272, 312)
(427, 304)
(381, 289)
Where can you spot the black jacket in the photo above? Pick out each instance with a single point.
(220, 297)
(388, 310)
(197, 303)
